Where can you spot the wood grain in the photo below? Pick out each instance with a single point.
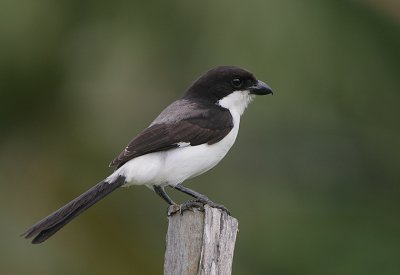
(200, 243)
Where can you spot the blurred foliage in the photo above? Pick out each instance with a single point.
(315, 188)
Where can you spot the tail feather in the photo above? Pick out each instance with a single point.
(48, 226)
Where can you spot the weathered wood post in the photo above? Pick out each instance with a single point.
(200, 243)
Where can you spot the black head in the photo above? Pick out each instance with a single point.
(221, 81)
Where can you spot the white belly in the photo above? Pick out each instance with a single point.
(176, 165)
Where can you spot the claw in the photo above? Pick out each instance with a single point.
(206, 200)
(219, 206)
(192, 204)
(172, 209)
(195, 204)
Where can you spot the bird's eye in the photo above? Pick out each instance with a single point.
(237, 82)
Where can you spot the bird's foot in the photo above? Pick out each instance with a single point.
(188, 205)
(195, 204)
(172, 209)
(218, 206)
(191, 205)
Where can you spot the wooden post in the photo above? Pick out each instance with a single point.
(200, 243)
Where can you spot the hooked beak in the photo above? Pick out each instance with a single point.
(260, 88)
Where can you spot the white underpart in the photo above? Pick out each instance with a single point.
(236, 102)
(176, 165)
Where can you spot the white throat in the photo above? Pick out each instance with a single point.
(236, 101)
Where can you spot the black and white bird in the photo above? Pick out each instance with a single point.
(188, 138)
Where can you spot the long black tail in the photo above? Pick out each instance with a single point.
(48, 226)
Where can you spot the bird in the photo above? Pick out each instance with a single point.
(188, 138)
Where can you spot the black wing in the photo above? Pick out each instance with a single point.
(208, 127)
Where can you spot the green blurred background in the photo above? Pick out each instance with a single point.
(315, 187)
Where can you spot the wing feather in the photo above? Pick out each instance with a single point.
(209, 127)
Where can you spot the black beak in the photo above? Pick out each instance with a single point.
(260, 88)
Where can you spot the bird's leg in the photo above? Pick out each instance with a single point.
(173, 207)
(200, 199)
(161, 192)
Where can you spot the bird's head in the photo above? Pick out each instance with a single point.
(228, 86)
